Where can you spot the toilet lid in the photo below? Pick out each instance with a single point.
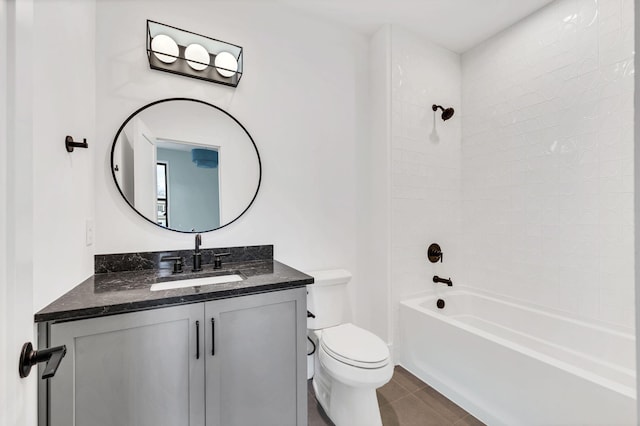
(355, 346)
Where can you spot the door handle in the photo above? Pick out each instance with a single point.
(29, 358)
(197, 339)
(213, 336)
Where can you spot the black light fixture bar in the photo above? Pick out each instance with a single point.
(181, 64)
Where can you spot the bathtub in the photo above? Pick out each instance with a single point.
(510, 364)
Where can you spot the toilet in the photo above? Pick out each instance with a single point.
(350, 363)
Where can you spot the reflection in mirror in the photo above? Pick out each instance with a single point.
(199, 206)
(186, 165)
(161, 180)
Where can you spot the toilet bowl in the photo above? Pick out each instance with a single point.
(350, 363)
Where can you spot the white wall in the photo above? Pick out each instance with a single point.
(64, 104)
(425, 164)
(45, 195)
(4, 319)
(373, 186)
(547, 165)
(636, 165)
(301, 98)
(16, 317)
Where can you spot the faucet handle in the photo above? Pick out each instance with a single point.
(177, 266)
(217, 261)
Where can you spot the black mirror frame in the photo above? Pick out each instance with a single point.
(113, 173)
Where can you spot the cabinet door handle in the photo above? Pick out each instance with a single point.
(197, 339)
(213, 337)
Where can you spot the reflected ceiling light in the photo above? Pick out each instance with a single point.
(165, 48)
(197, 56)
(226, 64)
(204, 158)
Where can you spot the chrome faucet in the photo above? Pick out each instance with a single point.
(197, 256)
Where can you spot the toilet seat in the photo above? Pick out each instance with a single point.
(355, 346)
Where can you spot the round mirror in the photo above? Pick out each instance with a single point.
(186, 165)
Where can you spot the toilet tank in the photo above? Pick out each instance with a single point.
(327, 298)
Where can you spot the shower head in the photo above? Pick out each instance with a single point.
(447, 113)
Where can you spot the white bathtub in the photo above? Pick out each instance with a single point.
(510, 364)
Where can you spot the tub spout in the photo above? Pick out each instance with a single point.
(447, 281)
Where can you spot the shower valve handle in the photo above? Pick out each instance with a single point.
(434, 253)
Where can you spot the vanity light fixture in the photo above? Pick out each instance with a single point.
(182, 52)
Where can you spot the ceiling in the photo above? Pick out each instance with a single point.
(457, 25)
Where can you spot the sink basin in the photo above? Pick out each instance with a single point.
(196, 282)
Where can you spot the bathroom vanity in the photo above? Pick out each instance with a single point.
(221, 354)
(188, 337)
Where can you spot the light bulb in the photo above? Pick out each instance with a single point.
(164, 48)
(197, 57)
(226, 64)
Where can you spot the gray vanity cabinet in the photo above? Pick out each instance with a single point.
(256, 363)
(131, 369)
(175, 366)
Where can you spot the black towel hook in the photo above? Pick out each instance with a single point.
(70, 144)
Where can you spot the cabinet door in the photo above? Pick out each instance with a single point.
(256, 363)
(134, 369)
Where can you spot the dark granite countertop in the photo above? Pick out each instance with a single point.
(129, 291)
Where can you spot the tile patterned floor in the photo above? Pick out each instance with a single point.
(404, 401)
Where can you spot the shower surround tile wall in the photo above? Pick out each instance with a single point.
(547, 160)
(425, 163)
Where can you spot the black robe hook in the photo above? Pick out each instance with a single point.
(70, 144)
